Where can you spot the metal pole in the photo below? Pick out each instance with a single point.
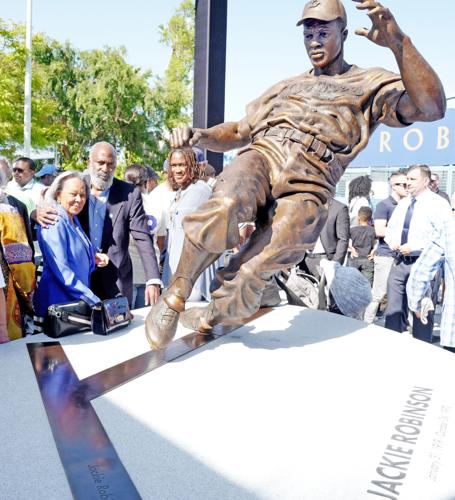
(210, 68)
(28, 83)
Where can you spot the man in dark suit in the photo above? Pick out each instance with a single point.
(114, 211)
(333, 241)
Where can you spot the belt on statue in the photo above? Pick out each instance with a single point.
(308, 141)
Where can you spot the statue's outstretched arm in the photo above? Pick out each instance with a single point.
(220, 138)
(424, 99)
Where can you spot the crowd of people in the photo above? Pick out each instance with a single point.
(94, 236)
(89, 236)
(402, 249)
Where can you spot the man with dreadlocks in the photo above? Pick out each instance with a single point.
(297, 140)
(189, 193)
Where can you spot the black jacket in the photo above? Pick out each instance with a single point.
(124, 216)
(335, 234)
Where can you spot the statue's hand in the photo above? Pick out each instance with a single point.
(385, 30)
(187, 136)
(199, 136)
(181, 137)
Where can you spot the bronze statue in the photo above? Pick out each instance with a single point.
(296, 140)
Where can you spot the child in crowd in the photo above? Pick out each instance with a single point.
(362, 244)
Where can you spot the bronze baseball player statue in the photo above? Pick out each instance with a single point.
(296, 139)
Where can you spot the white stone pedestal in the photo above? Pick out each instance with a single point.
(299, 404)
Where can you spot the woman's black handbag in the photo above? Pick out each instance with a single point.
(110, 314)
(67, 319)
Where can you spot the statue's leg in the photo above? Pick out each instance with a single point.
(296, 224)
(253, 246)
(239, 191)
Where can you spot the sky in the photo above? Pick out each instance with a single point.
(263, 44)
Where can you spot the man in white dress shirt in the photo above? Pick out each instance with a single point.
(409, 231)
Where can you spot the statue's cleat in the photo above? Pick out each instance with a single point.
(161, 324)
(191, 319)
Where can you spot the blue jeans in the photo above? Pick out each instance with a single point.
(138, 296)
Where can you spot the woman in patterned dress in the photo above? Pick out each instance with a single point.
(17, 266)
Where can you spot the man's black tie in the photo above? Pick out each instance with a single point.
(407, 222)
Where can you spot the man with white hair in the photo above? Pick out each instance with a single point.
(113, 211)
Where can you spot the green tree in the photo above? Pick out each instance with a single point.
(45, 129)
(174, 92)
(81, 97)
(100, 97)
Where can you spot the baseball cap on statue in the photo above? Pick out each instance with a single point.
(324, 10)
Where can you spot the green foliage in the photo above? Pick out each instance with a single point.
(45, 127)
(173, 93)
(100, 97)
(81, 97)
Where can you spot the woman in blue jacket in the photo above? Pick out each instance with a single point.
(68, 255)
